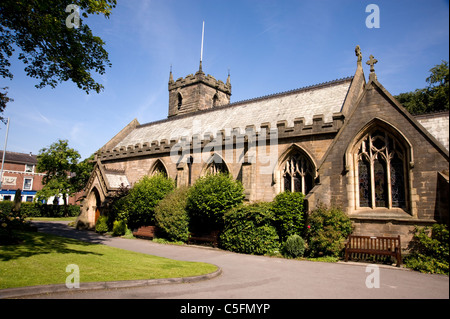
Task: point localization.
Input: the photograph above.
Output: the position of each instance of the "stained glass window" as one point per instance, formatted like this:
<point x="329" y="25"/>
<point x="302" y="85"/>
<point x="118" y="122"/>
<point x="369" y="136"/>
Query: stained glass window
<point x="287" y="182"/>
<point x="381" y="171"/>
<point x="397" y="182"/>
<point x="298" y="174"/>
<point x="380" y="183"/>
<point x="365" y="197"/>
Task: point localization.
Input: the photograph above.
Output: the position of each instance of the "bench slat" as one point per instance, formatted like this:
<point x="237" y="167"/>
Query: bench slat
<point x="370" y="245"/>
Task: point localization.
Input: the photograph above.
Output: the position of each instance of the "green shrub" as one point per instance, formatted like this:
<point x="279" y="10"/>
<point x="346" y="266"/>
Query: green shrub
<point x="249" y="229"/>
<point x="294" y="246"/>
<point x="118" y="210"/>
<point x="329" y="229"/>
<point x="10" y="222"/>
<point x="289" y="214"/>
<point x="171" y="216"/>
<point x="140" y="203"/>
<point x="40" y="210"/>
<point x="119" y="227"/>
<point x="101" y="226"/>
<point x="429" y="252"/>
<point x="210" y="197"/>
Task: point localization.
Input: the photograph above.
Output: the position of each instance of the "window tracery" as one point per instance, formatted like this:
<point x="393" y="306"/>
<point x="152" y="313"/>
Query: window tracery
<point x="381" y="171"/>
<point x="298" y="174"/>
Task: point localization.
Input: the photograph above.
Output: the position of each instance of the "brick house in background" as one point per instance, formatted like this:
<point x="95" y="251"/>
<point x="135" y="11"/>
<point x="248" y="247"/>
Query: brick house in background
<point x="19" y="172"/>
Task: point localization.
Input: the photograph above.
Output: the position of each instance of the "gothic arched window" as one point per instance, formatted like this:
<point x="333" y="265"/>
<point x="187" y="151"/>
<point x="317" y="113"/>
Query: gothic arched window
<point x="158" y="168"/>
<point x="297" y="174"/>
<point x="381" y="171"/>
<point x="216" y="165"/>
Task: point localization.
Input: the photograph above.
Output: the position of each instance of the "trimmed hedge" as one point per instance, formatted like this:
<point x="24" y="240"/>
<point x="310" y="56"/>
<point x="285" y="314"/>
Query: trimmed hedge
<point x="139" y="205"/>
<point x="249" y="229"/>
<point x="40" y="210"/>
<point x="210" y="197"/>
<point x="171" y="216"/>
<point x="289" y="214"/>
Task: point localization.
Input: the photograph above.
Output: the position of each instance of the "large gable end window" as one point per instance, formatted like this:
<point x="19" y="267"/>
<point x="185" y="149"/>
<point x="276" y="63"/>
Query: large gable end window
<point x="380" y="169"/>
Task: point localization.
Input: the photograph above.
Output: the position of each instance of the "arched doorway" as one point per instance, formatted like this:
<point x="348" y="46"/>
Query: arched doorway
<point x="94" y="206"/>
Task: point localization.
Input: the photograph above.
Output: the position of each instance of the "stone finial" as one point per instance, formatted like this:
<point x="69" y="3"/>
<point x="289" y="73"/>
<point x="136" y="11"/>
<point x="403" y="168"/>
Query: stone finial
<point x="228" y="79"/>
<point x="372" y="62"/>
<point x="171" y="76"/>
<point x="359" y="55"/>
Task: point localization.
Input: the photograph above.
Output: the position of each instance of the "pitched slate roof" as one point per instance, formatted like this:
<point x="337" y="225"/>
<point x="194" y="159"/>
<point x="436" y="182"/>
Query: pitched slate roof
<point x="20" y="158"/>
<point x="322" y="99"/>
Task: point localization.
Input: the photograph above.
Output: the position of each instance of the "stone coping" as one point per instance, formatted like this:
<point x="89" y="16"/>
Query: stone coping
<point x="61" y="288"/>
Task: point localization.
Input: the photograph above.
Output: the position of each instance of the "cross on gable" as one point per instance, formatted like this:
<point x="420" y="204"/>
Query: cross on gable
<point x="372" y="62"/>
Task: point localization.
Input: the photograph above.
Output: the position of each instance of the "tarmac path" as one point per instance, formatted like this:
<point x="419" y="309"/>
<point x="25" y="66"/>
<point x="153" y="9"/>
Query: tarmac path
<point x="254" y="277"/>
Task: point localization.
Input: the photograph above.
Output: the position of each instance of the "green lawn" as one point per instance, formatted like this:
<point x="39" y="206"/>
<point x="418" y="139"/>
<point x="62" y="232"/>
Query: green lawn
<point x="42" y="259"/>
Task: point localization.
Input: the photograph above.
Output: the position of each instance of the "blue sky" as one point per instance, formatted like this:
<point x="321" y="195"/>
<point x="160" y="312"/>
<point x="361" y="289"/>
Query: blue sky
<point x="269" y="46"/>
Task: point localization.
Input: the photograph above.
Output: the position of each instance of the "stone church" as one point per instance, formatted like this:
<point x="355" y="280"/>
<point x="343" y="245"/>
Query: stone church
<point x="346" y="142"/>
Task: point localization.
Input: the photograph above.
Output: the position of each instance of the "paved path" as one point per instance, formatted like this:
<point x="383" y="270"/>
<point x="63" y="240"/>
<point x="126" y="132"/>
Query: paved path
<point x="253" y="277"/>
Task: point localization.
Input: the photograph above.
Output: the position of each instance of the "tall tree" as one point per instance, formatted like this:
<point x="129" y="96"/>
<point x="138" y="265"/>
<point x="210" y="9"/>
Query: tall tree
<point x="433" y="98"/>
<point x="58" y="162"/>
<point x="54" y="43"/>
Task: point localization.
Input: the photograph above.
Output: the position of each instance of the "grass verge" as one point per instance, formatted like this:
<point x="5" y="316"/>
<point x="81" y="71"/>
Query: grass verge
<point x="41" y="259"/>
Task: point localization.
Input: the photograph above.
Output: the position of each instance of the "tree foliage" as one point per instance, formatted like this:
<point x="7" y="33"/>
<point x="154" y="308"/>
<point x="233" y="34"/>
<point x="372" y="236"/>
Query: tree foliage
<point x="51" y="51"/>
<point x="64" y="176"/>
<point x="433" y="98"/>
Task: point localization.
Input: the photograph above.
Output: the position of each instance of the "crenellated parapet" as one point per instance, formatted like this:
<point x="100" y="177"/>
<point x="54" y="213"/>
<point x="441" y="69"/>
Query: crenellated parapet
<point x="197" y="92"/>
<point x="198" y="77"/>
<point x="227" y="137"/>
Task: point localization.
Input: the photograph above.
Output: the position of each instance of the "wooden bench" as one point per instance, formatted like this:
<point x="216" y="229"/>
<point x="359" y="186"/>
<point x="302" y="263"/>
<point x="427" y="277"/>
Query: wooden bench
<point x="370" y="245"/>
<point x="145" y="232"/>
<point x="212" y="237"/>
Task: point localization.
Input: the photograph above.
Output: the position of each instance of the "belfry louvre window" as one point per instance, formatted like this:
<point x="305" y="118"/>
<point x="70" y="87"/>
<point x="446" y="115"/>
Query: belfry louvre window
<point x="215" y="100"/>
<point x="180" y="100"/>
<point x="381" y="171"/>
<point x="297" y="174"/>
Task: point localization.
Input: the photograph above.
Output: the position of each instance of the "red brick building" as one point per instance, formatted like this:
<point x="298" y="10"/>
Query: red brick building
<point x="19" y="172"/>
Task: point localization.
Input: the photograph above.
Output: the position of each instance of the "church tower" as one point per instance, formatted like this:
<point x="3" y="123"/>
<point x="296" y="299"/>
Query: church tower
<point x="197" y="92"/>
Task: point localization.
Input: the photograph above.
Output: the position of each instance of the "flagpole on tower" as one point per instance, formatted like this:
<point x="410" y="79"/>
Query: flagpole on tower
<point x="201" y="51"/>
